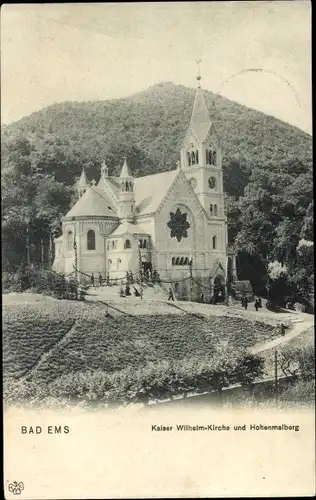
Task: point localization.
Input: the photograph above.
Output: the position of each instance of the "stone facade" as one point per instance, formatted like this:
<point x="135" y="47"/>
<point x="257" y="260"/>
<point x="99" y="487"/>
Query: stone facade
<point x="165" y="220"/>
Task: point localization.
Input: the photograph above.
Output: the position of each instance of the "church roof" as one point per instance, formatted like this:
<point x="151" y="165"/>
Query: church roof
<point x="83" y="181"/>
<point x="200" y="119"/>
<point x="151" y="189"/>
<point x="126" y="171"/>
<point x="93" y="202"/>
<point x="127" y="227"/>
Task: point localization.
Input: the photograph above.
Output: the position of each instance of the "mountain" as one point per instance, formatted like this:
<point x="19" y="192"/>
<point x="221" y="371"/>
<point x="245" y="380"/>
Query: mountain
<point x="268" y="176"/>
<point x="149" y="128"/>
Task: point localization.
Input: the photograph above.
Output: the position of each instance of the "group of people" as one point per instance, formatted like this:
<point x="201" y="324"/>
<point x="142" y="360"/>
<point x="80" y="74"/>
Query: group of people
<point x="245" y="302"/>
<point x="127" y="291"/>
<point x="93" y="280"/>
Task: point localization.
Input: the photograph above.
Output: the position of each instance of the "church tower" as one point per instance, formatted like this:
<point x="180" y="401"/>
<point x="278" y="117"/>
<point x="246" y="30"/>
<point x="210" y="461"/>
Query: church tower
<point x="126" y="194"/>
<point x="83" y="184"/>
<point x="201" y="158"/>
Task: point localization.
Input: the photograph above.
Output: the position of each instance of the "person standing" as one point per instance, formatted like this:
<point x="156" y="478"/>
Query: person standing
<point x="92" y="279"/>
<point x="245" y="303"/>
<point x="100" y="279"/>
<point x="257" y="304"/>
<point x="170" y="296"/>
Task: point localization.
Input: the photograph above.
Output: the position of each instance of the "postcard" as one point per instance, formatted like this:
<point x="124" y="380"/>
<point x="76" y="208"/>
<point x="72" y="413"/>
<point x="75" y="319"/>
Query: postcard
<point x="157" y="250"/>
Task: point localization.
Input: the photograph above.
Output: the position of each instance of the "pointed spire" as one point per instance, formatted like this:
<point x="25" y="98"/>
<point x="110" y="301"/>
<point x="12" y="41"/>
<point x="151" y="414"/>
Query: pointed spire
<point x="200" y="119"/>
<point x="126" y="172"/>
<point x="83" y="181"/>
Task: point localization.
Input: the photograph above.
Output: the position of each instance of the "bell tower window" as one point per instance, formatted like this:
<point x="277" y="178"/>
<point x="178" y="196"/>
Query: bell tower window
<point x="214" y="242"/>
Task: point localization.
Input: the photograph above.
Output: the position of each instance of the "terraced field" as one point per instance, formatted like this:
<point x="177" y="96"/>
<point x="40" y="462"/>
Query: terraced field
<point x="44" y="340"/>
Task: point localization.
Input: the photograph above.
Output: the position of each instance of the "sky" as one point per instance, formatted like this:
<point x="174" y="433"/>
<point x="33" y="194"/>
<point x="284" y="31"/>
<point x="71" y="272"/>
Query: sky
<point x="256" y="53"/>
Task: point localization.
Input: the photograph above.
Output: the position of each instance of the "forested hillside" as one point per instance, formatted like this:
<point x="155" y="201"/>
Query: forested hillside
<point x="267" y="169"/>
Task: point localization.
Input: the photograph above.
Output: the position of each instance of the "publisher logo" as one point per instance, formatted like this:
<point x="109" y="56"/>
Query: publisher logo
<point x="16" y="487"/>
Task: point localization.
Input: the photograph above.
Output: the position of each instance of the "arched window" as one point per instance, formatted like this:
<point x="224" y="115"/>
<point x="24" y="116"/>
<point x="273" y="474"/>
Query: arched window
<point x="127" y="244"/>
<point x="197" y="157"/>
<point x="126" y="186"/>
<point x="215" y="210"/>
<point x="211" y="209"/>
<point x="214" y="158"/>
<point x="181" y="261"/>
<point x="186" y="261"/>
<point x="109" y="263"/>
<point x="210" y="157"/>
<point x="113" y="244"/>
<point x="214" y="242"/>
<point x="189" y="158"/>
<point x="145" y="244"/>
<point x="69" y="241"/>
<point x="90" y="240"/>
<point x="177" y="261"/>
<point x="193" y="158"/>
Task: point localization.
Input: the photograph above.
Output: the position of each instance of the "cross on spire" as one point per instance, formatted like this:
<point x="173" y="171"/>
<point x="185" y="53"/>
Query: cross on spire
<point x="198" y="62"/>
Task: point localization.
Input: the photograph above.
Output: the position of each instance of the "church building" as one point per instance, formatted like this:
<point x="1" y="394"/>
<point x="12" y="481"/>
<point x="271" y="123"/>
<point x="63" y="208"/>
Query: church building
<point x="172" y="222"/>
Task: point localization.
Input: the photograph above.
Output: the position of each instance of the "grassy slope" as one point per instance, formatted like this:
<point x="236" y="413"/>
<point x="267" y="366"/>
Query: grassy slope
<point x="97" y="342"/>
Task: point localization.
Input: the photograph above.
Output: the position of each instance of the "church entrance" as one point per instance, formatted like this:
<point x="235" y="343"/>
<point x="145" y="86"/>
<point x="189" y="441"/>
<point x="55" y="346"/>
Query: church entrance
<point x="219" y="289"/>
<point x="147" y="267"/>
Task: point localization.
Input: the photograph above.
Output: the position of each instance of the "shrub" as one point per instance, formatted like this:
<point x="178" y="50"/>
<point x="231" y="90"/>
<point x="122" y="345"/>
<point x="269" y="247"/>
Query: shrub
<point x="40" y="280"/>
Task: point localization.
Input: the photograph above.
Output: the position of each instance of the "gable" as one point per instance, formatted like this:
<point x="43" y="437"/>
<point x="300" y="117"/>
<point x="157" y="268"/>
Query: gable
<point x="217" y="268"/>
<point x="181" y="192"/>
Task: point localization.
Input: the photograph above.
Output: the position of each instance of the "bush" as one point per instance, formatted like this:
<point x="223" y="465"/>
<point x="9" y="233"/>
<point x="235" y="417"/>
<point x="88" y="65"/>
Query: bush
<point x="156" y="381"/>
<point x="40" y="280"/>
<point x="301" y="392"/>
